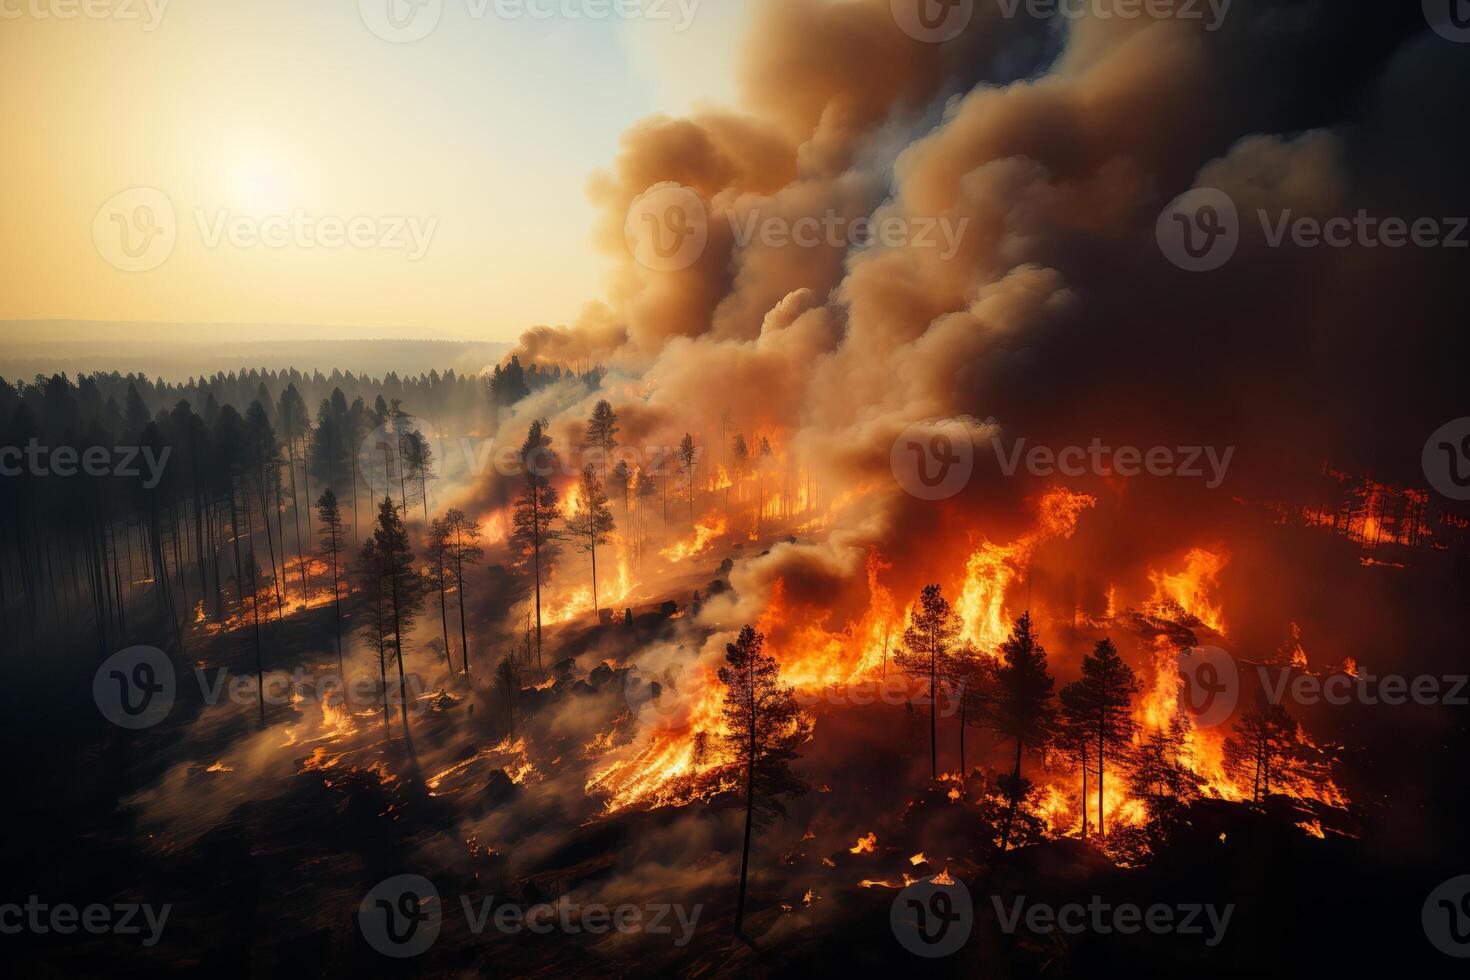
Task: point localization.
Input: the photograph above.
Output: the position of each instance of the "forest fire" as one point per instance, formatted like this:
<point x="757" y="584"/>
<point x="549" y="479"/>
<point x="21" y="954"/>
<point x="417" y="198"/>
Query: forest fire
<point x="921" y="506"/>
<point x="1189" y="590"/>
<point x="992" y="569"/>
<point x="705" y="533"/>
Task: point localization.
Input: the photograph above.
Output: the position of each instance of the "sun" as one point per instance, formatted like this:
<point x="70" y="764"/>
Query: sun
<point x="259" y="181"/>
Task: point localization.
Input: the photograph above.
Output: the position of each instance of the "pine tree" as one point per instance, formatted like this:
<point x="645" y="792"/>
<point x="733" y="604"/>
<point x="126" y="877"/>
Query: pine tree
<point x="970" y="677"/>
<point x="763" y="726"/>
<point x="1023" y="708"/>
<point x="602" y="432"/>
<point x="1100" y="705"/>
<point x="619" y="485"/>
<point x="464" y="549"/>
<point x="333" y="541"/>
<point x="1263" y="746"/>
<point x="418" y="465"/>
<point x="932" y="630"/>
<point x="1162" y="774"/>
<point x="373" y="596"/>
<point x="533" y="539"/>
<point x="508" y="680"/>
<point x="436" y="553"/>
<point x="295" y="425"/>
<point x="404" y="587"/>
<point x="687" y="456"/>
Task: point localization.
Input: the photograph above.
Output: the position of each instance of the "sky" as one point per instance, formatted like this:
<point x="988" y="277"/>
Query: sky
<point x="306" y="162"/>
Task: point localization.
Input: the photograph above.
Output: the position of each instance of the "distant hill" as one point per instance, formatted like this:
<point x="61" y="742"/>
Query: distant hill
<point x="181" y="359"/>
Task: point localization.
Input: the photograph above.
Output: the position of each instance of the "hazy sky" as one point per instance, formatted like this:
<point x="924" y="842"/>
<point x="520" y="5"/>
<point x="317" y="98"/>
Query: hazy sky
<point x="251" y="133"/>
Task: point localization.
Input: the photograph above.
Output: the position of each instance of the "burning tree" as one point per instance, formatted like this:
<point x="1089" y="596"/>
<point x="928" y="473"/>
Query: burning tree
<point x="1096" y="717"/>
<point x="591" y="523"/>
<point x="332" y="539"/>
<point x="762" y="728"/>
<point x="533" y="536"/>
<point x="933" y="627"/>
<point x="1264" y="746"/>
<point x="1023" y="708"/>
<point x="1163" y="775"/>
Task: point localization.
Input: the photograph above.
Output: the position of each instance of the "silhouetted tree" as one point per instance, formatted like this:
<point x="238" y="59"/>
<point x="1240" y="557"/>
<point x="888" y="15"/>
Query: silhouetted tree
<point x="602" y="432"/>
<point x="1263" y="746"/>
<point x="295" y="426"/>
<point x="436" y="552"/>
<point x="1023" y="708"/>
<point x="404" y="586"/>
<point x="508" y="681"/>
<point x="418" y="465"/>
<point x="376" y="626"/>
<point x="1100" y="705"/>
<point x="533" y="538"/>
<point x="932" y="630"/>
<point x="1163" y="775"/>
<point x="970" y="677"/>
<point x="618" y="486"/>
<point x="687" y="456"/>
<point x="463" y="548"/>
<point x="763" y="726"/>
<point x="332" y="540"/>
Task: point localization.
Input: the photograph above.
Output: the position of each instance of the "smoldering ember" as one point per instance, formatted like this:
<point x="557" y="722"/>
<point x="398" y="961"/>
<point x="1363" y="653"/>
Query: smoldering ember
<point x="748" y="488"/>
